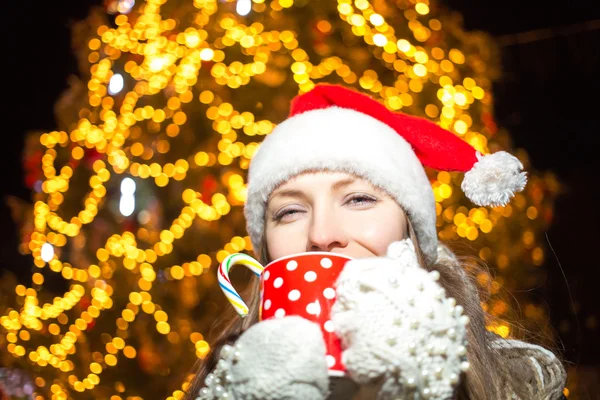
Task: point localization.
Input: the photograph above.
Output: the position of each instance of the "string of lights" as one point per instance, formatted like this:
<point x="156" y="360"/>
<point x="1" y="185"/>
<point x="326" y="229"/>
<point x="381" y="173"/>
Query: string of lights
<point x="178" y="96"/>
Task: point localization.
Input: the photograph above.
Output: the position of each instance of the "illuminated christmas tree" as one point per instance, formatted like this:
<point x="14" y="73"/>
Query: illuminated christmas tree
<point x="140" y="190"/>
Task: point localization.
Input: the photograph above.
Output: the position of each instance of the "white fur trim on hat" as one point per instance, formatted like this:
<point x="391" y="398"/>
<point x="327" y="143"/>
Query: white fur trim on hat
<point x="342" y="140"/>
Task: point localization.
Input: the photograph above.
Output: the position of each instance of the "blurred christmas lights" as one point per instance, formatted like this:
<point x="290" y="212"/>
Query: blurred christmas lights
<point x="115" y="84"/>
<point x="243" y="7"/>
<point x="234" y="75"/>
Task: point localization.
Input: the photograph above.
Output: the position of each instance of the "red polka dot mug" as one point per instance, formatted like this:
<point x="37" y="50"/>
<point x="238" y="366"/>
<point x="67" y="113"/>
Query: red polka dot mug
<point x="300" y="284"/>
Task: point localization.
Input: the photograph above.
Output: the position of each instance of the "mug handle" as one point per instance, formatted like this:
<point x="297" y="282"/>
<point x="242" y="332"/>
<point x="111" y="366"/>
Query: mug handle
<point x="225" y="283"/>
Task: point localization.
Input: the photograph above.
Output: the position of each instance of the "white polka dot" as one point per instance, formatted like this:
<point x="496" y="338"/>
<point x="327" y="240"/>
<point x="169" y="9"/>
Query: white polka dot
<point x="267" y="304"/>
<point x="310" y="276"/>
<point x="280" y="313"/>
<point x="330" y="360"/>
<point x="294" y="295"/>
<point x="329" y="293"/>
<point x="266" y="275"/>
<point x="326" y="263"/>
<point x="291" y="265"/>
<point x="328" y="326"/>
<point x="314" y="308"/>
<point x="278" y="282"/>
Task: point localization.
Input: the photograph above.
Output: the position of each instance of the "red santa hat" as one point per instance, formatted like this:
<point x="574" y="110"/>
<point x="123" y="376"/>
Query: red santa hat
<point x="332" y="128"/>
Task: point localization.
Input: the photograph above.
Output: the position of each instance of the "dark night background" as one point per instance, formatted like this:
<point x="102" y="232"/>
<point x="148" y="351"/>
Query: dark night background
<point x="547" y="98"/>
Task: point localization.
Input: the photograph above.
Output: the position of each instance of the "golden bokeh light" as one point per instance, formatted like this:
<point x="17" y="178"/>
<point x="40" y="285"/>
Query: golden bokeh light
<point x="200" y="94"/>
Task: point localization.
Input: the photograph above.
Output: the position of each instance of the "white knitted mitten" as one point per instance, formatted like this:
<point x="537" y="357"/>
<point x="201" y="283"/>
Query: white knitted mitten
<point x="277" y="359"/>
<point x="398" y="327"/>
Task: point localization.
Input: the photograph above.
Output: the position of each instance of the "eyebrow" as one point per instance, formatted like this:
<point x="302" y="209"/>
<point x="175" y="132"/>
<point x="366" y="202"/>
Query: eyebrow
<point x="288" y="193"/>
<point x="343" y="183"/>
<point x="299" y="193"/>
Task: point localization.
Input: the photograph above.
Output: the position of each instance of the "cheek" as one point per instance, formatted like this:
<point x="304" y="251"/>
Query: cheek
<point x="285" y="240"/>
<point x="379" y="229"/>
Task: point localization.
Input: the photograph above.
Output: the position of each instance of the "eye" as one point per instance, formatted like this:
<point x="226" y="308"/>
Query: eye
<point x="361" y="200"/>
<point x="286" y="214"/>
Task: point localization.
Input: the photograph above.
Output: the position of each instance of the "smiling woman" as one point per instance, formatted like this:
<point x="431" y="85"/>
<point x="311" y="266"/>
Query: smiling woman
<point x="344" y="175"/>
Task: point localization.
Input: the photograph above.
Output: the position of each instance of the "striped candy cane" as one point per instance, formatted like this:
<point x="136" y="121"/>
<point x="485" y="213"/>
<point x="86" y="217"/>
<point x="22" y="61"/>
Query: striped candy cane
<point x="225" y="283"/>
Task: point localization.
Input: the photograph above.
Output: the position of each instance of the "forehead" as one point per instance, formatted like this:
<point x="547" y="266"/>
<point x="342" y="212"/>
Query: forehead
<point x="311" y="178"/>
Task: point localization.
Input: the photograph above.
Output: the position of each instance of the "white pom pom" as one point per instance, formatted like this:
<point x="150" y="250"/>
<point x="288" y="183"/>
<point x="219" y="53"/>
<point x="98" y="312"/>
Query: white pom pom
<point x="494" y="179"/>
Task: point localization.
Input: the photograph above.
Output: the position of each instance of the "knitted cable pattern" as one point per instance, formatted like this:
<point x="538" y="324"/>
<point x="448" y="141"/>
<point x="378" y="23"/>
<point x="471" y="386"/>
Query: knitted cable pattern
<point x="397" y="325"/>
<point x="279" y="359"/>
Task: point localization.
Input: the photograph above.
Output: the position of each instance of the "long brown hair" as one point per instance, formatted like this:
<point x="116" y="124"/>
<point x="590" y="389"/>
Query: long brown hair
<point x="492" y="375"/>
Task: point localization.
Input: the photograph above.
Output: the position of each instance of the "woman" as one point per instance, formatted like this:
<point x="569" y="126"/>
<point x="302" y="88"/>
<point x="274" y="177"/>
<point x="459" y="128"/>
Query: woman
<point x="344" y="174"/>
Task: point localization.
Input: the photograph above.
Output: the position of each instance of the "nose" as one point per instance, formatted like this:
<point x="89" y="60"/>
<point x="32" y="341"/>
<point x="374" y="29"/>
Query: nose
<point x="326" y="232"/>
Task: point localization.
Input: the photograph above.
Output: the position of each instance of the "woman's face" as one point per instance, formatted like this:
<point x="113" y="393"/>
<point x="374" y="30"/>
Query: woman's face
<point x="333" y="212"/>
